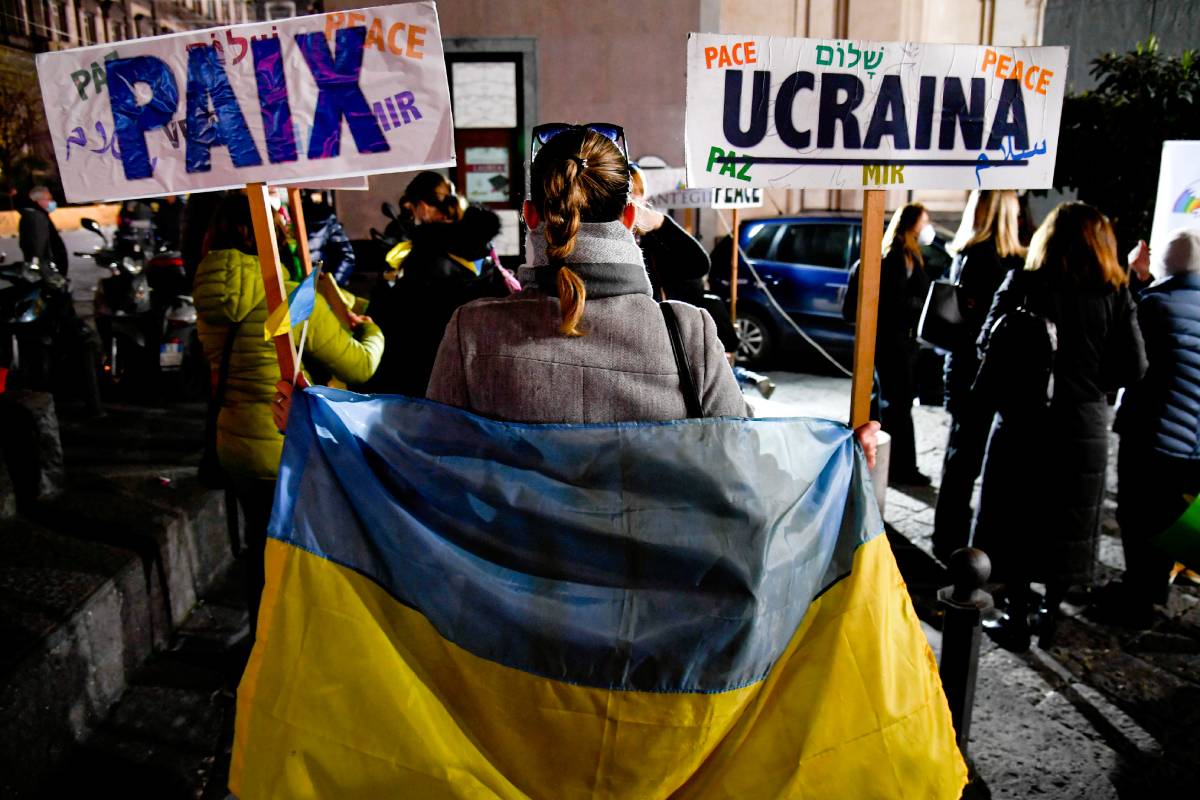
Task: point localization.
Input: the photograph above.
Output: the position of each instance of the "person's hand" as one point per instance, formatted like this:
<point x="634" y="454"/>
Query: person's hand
<point x="281" y="405"/>
<point x="1139" y="260"/>
<point x="866" y="436"/>
<point x="358" y="319"/>
<point x="646" y="219"/>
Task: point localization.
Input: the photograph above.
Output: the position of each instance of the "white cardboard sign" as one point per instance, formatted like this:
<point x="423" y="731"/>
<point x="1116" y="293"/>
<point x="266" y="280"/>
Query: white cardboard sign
<point x="1178" y="201"/>
<point x="294" y="100"/>
<point x="837" y="114"/>
<point x="738" y="197"/>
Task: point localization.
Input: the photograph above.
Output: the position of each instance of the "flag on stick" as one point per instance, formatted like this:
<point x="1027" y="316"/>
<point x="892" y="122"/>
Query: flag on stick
<point x="295" y="309"/>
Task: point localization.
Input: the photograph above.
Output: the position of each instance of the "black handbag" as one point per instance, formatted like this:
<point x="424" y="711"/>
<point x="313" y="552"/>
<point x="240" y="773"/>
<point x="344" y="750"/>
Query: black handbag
<point x="211" y="474"/>
<point x="943" y="323"/>
<point x="691" y="397"/>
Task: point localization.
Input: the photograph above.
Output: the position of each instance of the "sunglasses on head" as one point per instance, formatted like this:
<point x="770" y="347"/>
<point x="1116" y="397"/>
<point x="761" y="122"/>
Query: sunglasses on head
<point x="542" y="135"/>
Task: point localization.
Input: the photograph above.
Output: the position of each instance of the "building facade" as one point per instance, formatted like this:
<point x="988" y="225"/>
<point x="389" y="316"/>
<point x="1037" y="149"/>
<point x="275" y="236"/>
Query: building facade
<point x="28" y="27"/>
<point x="515" y="63"/>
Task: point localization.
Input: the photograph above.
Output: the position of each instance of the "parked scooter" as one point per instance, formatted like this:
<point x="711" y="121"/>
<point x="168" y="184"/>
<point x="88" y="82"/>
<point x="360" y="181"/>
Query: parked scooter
<point x="146" y="317"/>
<point x="44" y="346"/>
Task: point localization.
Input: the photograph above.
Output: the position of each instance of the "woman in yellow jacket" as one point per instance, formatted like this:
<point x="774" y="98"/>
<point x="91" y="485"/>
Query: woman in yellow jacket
<point x="231" y="301"/>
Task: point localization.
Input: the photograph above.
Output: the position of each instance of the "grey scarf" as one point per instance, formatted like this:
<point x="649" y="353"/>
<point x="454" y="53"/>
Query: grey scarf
<point x="605" y="256"/>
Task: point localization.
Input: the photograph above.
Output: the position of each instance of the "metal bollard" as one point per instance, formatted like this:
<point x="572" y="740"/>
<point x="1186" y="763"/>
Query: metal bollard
<point x="963" y="603"/>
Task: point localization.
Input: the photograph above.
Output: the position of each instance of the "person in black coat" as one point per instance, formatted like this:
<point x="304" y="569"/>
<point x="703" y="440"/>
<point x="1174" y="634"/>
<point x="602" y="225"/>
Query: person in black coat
<point x="1158" y="464"/>
<point x="676" y="263"/>
<point x="447" y="267"/>
<point x="168" y="222"/>
<point x="903" y="285"/>
<point x="1044" y="470"/>
<point x="992" y="248"/>
<point x="36" y="233"/>
<point x="327" y="241"/>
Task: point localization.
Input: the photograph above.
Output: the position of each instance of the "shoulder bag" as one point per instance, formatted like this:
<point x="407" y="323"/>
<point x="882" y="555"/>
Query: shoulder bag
<point x="691" y="397"/>
<point x="1017" y="372"/>
<point x="211" y="473"/>
<point x="943" y="323"/>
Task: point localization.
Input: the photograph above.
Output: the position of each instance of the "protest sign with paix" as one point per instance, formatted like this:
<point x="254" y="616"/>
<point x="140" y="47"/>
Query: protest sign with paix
<point x="322" y="96"/>
<point x="838" y="114"/>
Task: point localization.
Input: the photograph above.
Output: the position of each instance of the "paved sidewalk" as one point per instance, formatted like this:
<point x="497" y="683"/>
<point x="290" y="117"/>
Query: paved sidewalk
<point x="1106" y="712"/>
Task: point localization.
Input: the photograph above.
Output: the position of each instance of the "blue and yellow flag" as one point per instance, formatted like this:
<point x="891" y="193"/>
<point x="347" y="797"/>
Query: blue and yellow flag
<point x="295" y="309"/>
<point x="460" y="607"/>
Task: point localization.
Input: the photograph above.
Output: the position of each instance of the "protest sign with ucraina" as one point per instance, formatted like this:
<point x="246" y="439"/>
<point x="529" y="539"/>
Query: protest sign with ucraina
<point x="838" y="114"/>
<point x="771" y="112"/>
<point x="300" y="99"/>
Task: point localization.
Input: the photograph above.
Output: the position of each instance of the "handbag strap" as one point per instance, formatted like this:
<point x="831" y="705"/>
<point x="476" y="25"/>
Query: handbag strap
<point x="691" y="397"/>
<point x="218" y="398"/>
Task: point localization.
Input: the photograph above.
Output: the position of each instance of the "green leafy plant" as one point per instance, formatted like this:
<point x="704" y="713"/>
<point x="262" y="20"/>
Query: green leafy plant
<point x="1110" y="144"/>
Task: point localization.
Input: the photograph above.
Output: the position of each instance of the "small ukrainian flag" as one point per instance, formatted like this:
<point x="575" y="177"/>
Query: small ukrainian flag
<point x="295" y="309"/>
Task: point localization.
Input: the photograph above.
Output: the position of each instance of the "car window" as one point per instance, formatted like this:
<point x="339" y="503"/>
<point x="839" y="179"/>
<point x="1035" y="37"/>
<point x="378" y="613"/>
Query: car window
<point x="819" y="244"/>
<point x="760" y="240"/>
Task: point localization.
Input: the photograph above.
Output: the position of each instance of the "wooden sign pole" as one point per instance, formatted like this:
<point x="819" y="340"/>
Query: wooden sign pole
<point x="327" y="287"/>
<point x="295" y="203"/>
<point x="272" y="273"/>
<point x="733" y="271"/>
<point x="866" y="317"/>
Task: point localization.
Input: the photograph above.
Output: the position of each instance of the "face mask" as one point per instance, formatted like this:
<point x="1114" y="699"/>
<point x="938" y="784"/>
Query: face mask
<point x="51" y="206"/>
<point x="926" y="236"/>
<point x="528" y="245"/>
<point x="276" y="202"/>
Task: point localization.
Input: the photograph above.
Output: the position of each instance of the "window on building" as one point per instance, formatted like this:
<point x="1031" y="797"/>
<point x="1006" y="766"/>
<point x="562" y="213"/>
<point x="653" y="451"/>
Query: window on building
<point x="45" y="20"/>
<point x="89" y="29"/>
<point x="14" y="17"/>
<point x="118" y="31"/>
<point x="60" y="21"/>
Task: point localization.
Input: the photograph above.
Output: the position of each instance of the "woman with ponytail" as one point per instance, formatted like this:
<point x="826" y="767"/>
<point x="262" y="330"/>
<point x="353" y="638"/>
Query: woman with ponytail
<point x="585" y="342"/>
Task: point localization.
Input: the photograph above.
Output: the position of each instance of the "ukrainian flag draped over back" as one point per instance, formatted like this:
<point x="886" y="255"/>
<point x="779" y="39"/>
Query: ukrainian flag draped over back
<point x="459" y="607"/>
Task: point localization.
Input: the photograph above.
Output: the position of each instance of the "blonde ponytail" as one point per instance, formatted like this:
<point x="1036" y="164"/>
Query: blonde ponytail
<point x="571" y="297"/>
<point x="576" y="178"/>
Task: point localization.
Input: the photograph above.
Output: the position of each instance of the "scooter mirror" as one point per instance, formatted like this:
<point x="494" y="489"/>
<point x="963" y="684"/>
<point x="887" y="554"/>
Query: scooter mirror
<point x="388" y="211"/>
<point x="90" y="224"/>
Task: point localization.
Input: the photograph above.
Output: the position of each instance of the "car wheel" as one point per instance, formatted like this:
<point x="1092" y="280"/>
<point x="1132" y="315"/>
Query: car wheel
<point x="755" y="339"/>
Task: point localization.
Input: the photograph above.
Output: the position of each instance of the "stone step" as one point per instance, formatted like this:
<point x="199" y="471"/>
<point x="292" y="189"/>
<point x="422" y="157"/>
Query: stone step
<point x="91" y="583"/>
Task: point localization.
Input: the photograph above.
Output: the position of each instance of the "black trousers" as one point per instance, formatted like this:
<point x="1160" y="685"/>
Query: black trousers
<point x="894" y="369"/>
<point x="255" y="498"/>
<point x="969" y="428"/>
<point x="1150" y="490"/>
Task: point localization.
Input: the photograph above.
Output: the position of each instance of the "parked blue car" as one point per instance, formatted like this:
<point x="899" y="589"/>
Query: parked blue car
<point x="804" y="262"/>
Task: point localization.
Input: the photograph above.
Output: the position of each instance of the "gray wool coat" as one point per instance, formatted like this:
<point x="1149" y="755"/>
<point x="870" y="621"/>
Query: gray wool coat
<point x="505" y="359"/>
